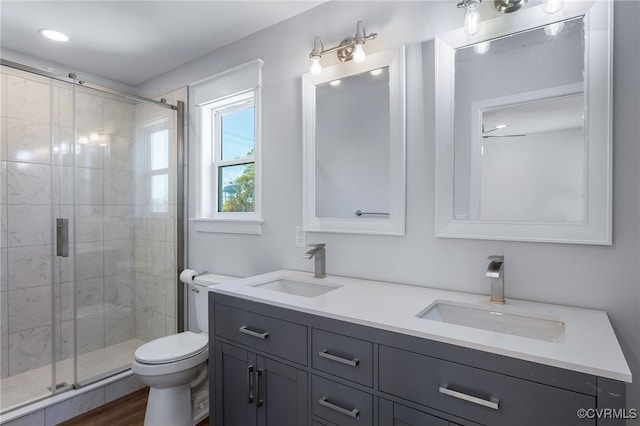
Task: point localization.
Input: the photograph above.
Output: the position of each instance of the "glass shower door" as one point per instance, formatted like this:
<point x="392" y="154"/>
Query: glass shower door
<point x="87" y="233"/>
<point x="28" y="291"/>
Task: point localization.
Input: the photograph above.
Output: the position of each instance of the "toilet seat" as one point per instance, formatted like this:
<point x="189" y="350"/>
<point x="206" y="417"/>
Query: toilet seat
<point x="173" y="348"/>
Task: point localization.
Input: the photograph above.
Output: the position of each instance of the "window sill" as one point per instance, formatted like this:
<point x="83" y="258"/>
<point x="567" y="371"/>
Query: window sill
<point x="228" y="226"/>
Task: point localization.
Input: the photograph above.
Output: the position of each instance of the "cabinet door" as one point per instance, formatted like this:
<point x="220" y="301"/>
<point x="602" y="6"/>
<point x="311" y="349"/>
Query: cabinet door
<point x="234" y="375"/>
<point x="398" y="415"/>
<point x="283" y="392"/>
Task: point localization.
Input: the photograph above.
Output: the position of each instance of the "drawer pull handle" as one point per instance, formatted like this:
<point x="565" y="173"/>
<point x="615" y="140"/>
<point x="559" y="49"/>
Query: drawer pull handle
<point x="350" y="362"/>
<point x="355" y="413"/>
<point x="492" y="403"/>
<point x="246" y="330"/>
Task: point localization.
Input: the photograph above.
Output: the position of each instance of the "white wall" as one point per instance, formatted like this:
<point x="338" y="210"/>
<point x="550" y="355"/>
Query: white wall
<point x="597" y="277"/>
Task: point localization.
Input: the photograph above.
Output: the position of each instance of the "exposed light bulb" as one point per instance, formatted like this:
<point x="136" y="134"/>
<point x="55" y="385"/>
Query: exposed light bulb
<point x="472" y="18"/>
<point x="552" y="6"/>
<point x="358" y="54"/>
<point x="482" y="48"/>
<point x="554" y="29"/>
<point x="316" y="68"/>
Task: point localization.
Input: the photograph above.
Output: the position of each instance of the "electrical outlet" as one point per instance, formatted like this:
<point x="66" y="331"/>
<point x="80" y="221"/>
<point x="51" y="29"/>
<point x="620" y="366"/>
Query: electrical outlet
<point x="301" y="237"/>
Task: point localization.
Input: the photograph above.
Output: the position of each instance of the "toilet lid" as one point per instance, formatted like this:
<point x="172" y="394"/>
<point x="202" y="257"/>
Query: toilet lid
<point x="172" y="348"/>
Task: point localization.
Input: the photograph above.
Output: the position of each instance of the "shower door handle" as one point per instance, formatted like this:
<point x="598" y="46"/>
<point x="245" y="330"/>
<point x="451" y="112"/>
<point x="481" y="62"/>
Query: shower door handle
<point x="62" y="237"/>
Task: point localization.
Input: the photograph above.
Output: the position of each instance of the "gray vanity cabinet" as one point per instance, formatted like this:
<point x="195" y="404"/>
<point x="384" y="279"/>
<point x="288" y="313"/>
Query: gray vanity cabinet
<point x="251" y="389"/>
<point x="483" y="396"/>
<point x="279" y="367"/>
<point x="254" y="390"/>
<point x="398" y="415"/>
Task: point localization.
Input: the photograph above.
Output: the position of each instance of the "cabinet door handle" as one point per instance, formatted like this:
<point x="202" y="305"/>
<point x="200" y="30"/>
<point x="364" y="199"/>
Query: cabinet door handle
<point x="249" y="384"/>
<point x="491" y="403"/>
<point x="354" y="413"/>
<point x="350" y="362"/>
<point x="258" y="373"/>
<point x="246" y="330"/>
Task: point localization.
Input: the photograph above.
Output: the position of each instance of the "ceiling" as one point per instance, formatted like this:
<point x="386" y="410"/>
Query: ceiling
<point x="131" y="42"/>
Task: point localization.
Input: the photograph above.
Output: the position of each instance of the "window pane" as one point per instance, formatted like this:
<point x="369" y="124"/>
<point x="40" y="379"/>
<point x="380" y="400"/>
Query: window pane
<point x="159" y="193"/>
<point x="237" y="134"/>
<point x="159" y="147"/>
<point x="236" y="188"/>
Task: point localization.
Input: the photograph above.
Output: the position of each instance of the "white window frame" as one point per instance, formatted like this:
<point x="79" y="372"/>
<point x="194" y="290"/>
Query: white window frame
<point x="212" y="95"/>
<point x="212" y="119"/>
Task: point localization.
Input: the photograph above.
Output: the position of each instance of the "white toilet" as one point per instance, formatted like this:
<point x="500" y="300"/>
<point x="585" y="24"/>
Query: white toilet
<point x="175" y="366"/>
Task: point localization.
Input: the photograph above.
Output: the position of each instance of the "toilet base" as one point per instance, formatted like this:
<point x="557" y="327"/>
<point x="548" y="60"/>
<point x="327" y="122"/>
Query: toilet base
<point x="169" y="406"/>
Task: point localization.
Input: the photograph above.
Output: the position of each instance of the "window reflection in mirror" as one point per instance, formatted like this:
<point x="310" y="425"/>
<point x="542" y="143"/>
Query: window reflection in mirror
<point x="520" y="151"/>
<point x="352" y="146"/>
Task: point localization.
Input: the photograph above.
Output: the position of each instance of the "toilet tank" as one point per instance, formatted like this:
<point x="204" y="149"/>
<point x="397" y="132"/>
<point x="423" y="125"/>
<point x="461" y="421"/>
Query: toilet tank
<point x="201" y="299"/>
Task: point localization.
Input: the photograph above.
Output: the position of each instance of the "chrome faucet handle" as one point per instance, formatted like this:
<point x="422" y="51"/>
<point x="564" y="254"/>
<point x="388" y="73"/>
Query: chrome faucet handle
<point x="495" y="258"/>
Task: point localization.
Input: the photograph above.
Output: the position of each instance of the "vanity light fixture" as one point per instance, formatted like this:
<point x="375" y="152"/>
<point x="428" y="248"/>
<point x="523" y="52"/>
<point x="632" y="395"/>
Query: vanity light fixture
<point x="348" y="49"/>
<point x="472" y="16"/>
<point x="552" y="6"/>
<point x="508" y="6"/>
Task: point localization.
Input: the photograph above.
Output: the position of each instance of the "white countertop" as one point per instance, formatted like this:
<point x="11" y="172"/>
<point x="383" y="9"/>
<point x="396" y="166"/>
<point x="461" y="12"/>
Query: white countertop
<point x="589" y="344"/>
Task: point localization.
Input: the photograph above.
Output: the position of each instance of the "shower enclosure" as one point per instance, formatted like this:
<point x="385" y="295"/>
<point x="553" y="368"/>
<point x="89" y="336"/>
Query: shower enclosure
<point x="88" y="231"/>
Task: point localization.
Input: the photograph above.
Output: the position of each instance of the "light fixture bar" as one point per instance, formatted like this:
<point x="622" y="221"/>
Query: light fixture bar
<point x="349" y="48"/>
<point x="508" y="6"/>
<point x="342" y="46"/>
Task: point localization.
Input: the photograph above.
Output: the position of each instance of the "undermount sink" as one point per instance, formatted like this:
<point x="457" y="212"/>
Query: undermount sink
<point x="298" y="288"/>
<point x="495" y="319"/>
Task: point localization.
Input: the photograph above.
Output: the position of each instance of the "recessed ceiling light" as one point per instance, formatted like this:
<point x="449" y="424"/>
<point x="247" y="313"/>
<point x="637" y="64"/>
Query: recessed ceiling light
<point x="53" y="35"/>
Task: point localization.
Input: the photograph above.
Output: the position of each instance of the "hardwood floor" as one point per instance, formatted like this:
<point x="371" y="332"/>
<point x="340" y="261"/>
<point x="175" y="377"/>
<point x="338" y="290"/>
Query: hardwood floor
<point x="126" y="411"/>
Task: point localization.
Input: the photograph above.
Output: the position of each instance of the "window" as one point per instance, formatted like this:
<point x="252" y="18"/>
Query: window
<point x="231" y="123"/>
<point x="158" y="143"/>
<point x="227" y="110"/>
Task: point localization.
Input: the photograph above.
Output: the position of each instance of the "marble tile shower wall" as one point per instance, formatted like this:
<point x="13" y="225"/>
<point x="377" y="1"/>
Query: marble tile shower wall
<point x="31" y="191"/>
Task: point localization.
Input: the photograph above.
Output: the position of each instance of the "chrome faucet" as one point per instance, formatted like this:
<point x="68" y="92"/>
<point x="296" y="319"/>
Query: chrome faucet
<point x="495" y="271"/>
<point x="317" y="252"/>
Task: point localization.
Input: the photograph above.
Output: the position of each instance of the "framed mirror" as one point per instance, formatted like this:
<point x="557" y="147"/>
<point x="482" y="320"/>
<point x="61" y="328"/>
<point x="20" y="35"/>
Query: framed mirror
<point x="523" y="127"/>
<point x="354" y="146"/>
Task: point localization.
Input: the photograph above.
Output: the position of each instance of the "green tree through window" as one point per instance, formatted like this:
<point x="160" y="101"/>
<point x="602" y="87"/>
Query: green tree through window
<point x="240" y="193"/>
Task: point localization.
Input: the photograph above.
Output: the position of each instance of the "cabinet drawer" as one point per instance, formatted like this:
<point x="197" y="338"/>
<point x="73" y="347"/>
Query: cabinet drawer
<point x="478" y="395"/>
<point x="340" y="404"/>
<point x="343" y="356"/>
<point x="281" y="338"/>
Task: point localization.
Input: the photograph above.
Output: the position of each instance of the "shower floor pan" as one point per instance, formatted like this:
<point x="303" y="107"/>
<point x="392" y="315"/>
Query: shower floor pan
<point x="22" y="388"/>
